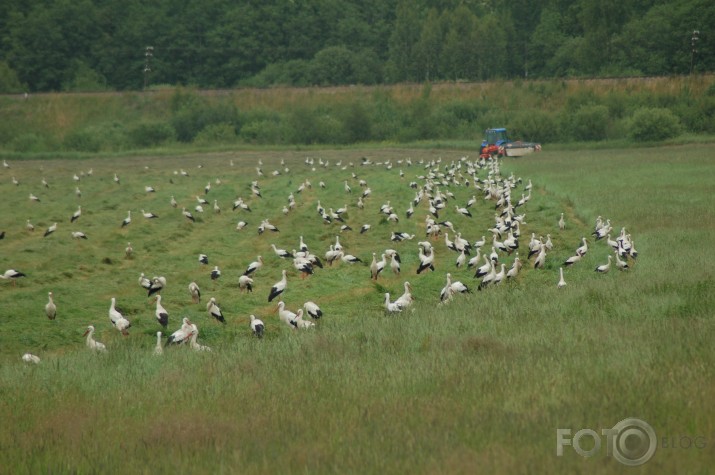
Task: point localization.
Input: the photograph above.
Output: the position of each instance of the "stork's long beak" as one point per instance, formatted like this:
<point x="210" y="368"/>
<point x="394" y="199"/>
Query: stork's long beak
<point x="85" y="333"/>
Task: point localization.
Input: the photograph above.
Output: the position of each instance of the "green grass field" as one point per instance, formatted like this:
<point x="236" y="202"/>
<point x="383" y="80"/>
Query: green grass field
<point x="478" y="385"/>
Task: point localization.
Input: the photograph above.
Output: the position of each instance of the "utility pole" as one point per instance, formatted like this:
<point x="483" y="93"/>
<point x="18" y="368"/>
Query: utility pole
<point x="148" y="54"/>
<point x="693" y="48"/>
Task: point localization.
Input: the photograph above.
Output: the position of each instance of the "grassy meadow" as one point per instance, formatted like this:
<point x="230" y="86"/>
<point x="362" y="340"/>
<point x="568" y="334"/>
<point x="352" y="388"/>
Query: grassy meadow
<point x="478" y="385"/>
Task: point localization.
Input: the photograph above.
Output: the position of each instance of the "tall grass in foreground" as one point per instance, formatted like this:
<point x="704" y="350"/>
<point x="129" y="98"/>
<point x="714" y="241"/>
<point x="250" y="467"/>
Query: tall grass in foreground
<point x="479" y="384"/>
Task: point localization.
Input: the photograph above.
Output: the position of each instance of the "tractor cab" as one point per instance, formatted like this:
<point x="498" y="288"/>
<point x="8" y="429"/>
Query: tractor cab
<point x="494" y="140"/>
<point x="495" y="137"/>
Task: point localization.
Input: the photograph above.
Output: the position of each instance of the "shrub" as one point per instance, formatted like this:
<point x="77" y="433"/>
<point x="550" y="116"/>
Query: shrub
<point x="9" y="82"/>
<point x="194" y="116"/>
<point x="356" y="123"/>
<point x="262" y="132"/>
<point x="28" y="143"/>
<point x="534" y="126"/>
<point x="83" y="140"/>
<point x="311" y="126"/>
<point x="590" y="123"/>
<point x="148" y="134"/>
<point x="104" y="136"/>
<point x="216" y="133"/>
<point x="651" y="124"/>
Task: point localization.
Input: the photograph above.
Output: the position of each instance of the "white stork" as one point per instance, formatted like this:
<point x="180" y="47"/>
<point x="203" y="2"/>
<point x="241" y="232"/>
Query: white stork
<point x="79" y="235"/>
<point x="92" y="344"/>
<point x="349" y="258"/>
<point x="30" y="358"/>
<point x="426" y="261"/>
<point x="287" y="316"/>
<point x="50" y="230"/>
<point x="562" y="282"/>
<point x="50" y="308"/>
<point x="501" y="275"/>
<point x="158" y="350"/>
<point x="127" y="220"/>
<point x="452" y="288"/>
<point x="604" y="267"/>
<point x="257" y="326"/>
<point x="279" y="287"/>
<point x="572" y="260"/>
<point x="266" y="225"/>
<point x="214" y="310"/>
<point x="12" y="274"/>
<point x="144" y="281"/>
<point x="253" y="266"/>
<point x="581" y="250"/>
<point x="157" y="284"/>
<point x="282" y="253"/>
<point x="514" y="269"/>
<point x="391" y="307"/>
<point x="195" y="292"/>
<point x="300" y="323"/>
<point x="162" y="316"/>
<point x="29" y="226"/>
<point x="181" y="335"/>
<point x="117" y="319"/>
<point x="76" y="214"/>
<point x="128" y="250"/>
<point x="620" y="265"/>
<point x="312" y="309"/>
<point x="395" y="263"/>
<point x="215" y="273"/>
<point x="192" y="340"/>
<point x="188" y="215"/>
<point x="489" y="276"/>
<point x="149" y="215"/>
<point x="405" y="300"/>
<point x="463" y="211"/>
<point x="245" y="283"/>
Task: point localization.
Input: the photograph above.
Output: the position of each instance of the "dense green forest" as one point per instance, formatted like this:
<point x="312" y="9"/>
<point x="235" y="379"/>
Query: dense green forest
<point x="95" y="45"/>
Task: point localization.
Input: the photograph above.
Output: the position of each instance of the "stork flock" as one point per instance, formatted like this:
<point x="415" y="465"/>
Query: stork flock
<point x="447" y="219"/>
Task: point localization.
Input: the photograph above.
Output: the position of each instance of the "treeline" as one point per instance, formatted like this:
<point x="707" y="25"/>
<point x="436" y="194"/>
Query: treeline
<point x="99" y="45"/>
<point x="546" y="111"/>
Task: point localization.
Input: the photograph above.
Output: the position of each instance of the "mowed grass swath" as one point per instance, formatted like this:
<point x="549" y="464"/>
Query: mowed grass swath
<point x="480" y="383"/>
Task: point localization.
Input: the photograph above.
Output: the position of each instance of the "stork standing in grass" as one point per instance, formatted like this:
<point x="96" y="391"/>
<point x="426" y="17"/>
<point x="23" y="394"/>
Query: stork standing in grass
<point x="245" y="283"/>
<point x="30" y="358"/>
<point x="195" y="292"/>
<point x="562" y="282"/>
<point x="181" y="335"/>
<point x="12" y="274"/>
<point x="117" y="319"/>
<point x="93" y="344"/>
<point x="253" y="266"/>
<point x="158" y="349"/>
<point x="257" y="326"/>
<point x="157" y="284"/>
<point x="279" y="287"/>
<point x="286" y="316"/>
<point x="162" y="316"/>
<point x="127" y="221"/>
<point x="50" y="308"/>
<point x="312" y="309"/>
<point x="214" y="310"/>
<point x="50" y="230"/>
<point x="391" y="307"/>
